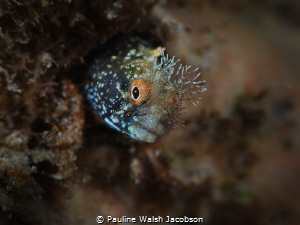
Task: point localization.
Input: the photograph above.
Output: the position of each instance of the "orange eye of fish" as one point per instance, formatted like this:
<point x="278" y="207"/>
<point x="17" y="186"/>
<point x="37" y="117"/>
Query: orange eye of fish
<point x="140" y="91"/>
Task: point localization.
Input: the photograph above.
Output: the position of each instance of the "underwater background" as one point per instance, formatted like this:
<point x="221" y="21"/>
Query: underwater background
<point x="235" y="161"/>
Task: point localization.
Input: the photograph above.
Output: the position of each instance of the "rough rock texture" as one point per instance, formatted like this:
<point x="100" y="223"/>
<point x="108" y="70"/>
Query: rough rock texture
<point x="236" y="161"/>
<point x="41" y="110"/>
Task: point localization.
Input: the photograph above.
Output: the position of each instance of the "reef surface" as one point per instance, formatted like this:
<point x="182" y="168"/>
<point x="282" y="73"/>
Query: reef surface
<point x="236" y="161"/>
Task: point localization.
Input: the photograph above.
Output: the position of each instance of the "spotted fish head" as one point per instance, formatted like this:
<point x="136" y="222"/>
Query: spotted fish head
<point x="143" y="97"/>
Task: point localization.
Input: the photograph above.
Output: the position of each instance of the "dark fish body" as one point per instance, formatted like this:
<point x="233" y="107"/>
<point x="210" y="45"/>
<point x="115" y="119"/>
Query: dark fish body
<point x="135" y="88"/>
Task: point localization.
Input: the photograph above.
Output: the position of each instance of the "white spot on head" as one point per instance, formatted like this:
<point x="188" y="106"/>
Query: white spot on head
<point x="111" y="124"/>
<point x="104" y="107"/>
<point x="114" y="119"/>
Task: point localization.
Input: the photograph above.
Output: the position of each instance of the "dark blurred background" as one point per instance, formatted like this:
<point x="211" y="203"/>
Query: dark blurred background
<point x="236" y="161"/>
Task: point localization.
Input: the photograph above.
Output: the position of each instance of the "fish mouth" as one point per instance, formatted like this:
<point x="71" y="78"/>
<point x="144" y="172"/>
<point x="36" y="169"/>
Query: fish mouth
<point x="142" y="134"/>
<point x="146" y="133"/>
<point x="144" y="127"/>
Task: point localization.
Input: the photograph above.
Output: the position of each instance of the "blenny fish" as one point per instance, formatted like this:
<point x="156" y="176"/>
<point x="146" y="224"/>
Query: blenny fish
<point x="138" y="90"/>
